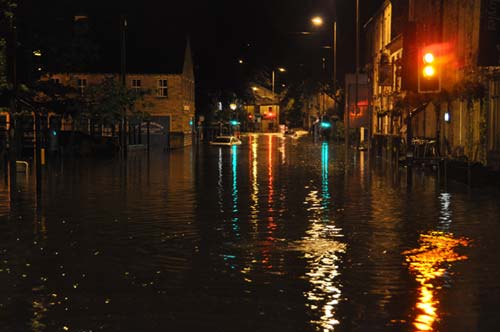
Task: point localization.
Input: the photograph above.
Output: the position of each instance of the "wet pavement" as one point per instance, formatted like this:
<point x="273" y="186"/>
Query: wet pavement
<point x="273" y="235"/>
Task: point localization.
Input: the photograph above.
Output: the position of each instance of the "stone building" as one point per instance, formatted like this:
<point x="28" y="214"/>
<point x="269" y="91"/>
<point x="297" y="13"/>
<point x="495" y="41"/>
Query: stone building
<point x="264" y="112"/>
<point x="169" y="81"/>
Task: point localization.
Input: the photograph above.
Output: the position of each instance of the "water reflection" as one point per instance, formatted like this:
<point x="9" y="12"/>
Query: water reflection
<point x="271" y="224"/>
<point x="445" y="211"/>
<point x="40" y="308"/>
<point x="169" y="247"/>
<point x="322" y="252"/>
<point x="254" y="196"/>
<point x="5" y="200"/>
<point x="430" y="263"/>
<point x="220" y="186"/>
<point x="270" y="196"/>
<point x="234" y="167"/>
<point x="324" y="177"/>
<point x="282" y="149"/>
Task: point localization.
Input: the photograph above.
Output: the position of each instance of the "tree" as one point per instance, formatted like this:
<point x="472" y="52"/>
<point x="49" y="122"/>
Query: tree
<point x="105" y="102"/>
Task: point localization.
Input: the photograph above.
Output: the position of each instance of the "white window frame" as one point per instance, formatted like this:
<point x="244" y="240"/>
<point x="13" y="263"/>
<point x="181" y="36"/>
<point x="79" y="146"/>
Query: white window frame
<point x="162" y="90"/>
<point x="136" y="84"/>
<point x="81" y="84"/>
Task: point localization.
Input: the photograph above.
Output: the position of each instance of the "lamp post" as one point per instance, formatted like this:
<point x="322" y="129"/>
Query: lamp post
<point x="356" y="97"/>
<point x="123" y="26"/>
<point x="273" y="76"/>
<point x="318" y="21"/>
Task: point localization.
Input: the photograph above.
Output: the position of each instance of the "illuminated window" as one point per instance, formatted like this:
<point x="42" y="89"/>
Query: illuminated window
<point x="162" y="88"/>
<point x="81" y="84"/>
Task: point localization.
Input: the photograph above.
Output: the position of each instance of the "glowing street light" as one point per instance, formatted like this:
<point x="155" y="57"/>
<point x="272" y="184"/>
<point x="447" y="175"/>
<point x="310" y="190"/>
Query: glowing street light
<point x="317" y="21"/>
<point x="281" y="70"/>
<point x="233" y="106"/>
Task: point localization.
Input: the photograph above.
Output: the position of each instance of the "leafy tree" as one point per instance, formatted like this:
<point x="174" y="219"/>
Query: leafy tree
<point x="105" y="102"/>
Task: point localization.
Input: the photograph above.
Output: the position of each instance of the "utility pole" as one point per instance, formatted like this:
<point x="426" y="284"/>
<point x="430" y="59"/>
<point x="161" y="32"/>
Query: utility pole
<point x="356" y="97"/>
<point x="123" y="138"/>
<point x="12" y="79"/>
<point x="272" y="83"/>
<point x="335" y="58"/>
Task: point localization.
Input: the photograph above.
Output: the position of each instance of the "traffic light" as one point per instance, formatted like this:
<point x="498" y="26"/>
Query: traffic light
<point x="429" y="73"/>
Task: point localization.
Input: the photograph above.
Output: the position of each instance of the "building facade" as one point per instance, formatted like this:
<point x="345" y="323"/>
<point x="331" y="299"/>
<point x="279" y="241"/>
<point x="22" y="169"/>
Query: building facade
<point x="169" y="96"/>
<point x="264" y="112"/>
<point x="462" y="118"/>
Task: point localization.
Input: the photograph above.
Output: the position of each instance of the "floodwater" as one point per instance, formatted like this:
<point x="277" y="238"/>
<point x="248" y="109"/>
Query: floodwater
<point x="273" y="235"/>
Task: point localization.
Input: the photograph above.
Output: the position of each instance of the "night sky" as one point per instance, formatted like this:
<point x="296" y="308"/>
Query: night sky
<point x="264" y="33"/>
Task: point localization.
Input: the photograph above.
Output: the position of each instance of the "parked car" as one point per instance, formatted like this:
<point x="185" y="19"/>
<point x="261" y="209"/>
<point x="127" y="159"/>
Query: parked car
<point x="226" y="140"/>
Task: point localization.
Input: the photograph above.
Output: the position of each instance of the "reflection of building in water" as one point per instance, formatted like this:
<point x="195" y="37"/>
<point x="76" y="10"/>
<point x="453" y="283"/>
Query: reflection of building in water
<point x="4" y="199"/>
<point x="322" y="250"/>
<point x="430" y="263"/>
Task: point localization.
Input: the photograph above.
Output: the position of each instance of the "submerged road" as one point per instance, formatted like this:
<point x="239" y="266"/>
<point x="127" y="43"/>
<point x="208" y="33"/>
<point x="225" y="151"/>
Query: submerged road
<point x="277" y="234"/>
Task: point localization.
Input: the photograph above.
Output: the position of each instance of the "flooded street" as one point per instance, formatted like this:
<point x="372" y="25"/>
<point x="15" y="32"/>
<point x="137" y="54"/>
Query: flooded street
<point x="277" y="234"/>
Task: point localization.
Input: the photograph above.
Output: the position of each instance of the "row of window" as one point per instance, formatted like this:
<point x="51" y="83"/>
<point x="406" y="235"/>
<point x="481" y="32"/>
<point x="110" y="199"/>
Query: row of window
<point x="136" y="84"/>
<point x="161" y="90"/>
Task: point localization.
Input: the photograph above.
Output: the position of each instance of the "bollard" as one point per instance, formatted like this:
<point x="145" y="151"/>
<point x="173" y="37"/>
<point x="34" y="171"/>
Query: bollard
<point x="42" y="156"/>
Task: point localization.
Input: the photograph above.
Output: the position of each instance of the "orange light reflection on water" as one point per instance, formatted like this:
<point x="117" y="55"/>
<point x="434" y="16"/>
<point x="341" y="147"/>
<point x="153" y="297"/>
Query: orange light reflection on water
<point x="5" y="199"/>
<point x="271" y="225"/>
<point x="429" y="263"/>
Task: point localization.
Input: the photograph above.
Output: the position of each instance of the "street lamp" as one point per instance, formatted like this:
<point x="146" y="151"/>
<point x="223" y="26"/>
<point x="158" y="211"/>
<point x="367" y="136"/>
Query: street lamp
<point x="281" y="70"/>
<point x="318" y="21"/>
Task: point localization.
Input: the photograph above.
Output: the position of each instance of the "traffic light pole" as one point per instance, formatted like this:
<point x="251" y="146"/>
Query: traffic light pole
<point x="356" y="93"/>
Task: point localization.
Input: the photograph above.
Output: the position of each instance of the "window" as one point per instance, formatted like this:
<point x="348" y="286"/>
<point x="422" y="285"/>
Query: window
<point x="162" y="88"/>
<point x="81" y="84"/>
<point x="136" y="85"/>
<point x="55" y="81"/>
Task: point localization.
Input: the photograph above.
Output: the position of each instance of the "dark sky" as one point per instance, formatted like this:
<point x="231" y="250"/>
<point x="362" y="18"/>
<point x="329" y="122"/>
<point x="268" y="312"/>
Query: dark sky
<point x="264" y="33"/>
